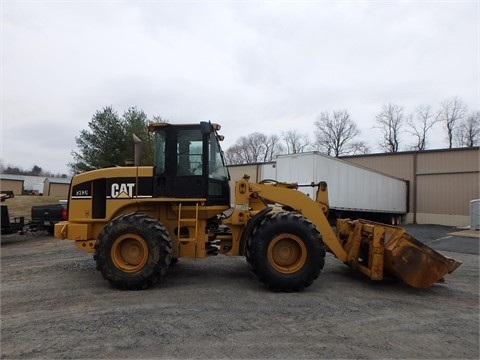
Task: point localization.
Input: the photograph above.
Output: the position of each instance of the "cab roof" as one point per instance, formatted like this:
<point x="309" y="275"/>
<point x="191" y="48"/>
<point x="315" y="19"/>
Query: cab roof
<point x="154" y="126"/>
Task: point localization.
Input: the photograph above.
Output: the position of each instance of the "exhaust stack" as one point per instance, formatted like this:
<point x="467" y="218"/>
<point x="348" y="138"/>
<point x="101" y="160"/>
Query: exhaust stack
<point x="137" y="150"/>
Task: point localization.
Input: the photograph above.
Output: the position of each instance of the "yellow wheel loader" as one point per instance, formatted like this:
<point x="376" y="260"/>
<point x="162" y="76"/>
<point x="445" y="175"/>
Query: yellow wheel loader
<point x="137" y="220"/>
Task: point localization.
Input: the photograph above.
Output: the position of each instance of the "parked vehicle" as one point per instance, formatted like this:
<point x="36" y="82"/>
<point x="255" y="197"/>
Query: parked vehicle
<point x="9" y="226"/>
<point x="358" y="192"/>
<point x="137" y="220"/>
<point x="44" y="217"/>
<point x="8" y="194"/>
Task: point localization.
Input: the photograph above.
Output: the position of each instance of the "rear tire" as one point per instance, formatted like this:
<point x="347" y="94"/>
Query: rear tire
<point x="133" y="251"/>
<point x="286" y="252"/>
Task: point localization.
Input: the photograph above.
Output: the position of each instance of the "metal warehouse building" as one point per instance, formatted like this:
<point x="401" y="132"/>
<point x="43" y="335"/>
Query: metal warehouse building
<point x="56" y="187"/>
<point x="441" y="183"/>
<point x="13" y="183"/>
<point x="21" y="184"/>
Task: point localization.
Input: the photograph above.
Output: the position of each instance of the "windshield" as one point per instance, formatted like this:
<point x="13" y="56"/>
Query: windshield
<point x="216" y="166"/>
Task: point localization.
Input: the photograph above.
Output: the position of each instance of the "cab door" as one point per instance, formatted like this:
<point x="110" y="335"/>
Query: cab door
<point x="180" y="163"/>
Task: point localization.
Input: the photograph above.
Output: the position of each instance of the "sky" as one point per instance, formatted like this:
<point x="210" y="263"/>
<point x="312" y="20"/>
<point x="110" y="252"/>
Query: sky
<point x="251" y="66"/>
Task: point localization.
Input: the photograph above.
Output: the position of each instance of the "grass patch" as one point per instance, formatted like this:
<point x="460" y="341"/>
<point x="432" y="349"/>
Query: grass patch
<point x="21" y="205"/>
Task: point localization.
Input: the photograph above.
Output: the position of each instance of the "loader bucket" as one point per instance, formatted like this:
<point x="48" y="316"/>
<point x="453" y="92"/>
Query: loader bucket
<point x="380" y="250"/>
<point x="413" y="262"/>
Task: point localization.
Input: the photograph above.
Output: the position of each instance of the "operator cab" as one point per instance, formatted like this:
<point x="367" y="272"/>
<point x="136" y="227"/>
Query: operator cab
<point x="189" y="163"/>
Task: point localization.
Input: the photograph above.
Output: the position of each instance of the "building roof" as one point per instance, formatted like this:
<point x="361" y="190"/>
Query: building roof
<point x="52" y="180"/>
<point x="471" y="148"/>
<point x="30" y="180"/>
<point x="12" y="177"/>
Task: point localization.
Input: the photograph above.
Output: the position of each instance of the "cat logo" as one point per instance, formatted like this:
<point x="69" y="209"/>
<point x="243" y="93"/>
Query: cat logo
<point x="122" y="191"/>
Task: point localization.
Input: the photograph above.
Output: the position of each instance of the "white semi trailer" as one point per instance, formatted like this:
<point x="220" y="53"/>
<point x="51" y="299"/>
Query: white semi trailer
<point x="353" y="191"/>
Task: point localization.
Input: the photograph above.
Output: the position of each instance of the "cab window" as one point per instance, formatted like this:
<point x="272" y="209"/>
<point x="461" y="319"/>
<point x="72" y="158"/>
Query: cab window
<point x="189" y="153"/>
<point x="160" y="139"/>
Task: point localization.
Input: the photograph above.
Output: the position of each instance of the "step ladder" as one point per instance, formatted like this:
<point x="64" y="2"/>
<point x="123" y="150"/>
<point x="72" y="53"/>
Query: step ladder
<point x="188" y="222"/>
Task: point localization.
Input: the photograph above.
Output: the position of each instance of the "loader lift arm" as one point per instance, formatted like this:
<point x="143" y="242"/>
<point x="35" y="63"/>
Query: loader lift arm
<point x="374" y="249"/>
<point x="288" y="196"/>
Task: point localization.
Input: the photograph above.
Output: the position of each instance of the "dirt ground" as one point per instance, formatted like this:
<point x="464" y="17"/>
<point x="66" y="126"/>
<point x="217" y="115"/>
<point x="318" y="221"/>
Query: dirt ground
<point x="54" y="304"/>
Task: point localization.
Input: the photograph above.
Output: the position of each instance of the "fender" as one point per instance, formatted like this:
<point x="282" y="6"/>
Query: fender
<point x="251" y="224"/>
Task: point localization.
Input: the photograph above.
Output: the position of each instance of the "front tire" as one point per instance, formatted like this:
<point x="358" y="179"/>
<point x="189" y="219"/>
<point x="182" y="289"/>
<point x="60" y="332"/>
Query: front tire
<point x="286" y="252"/>
<point x="133" y="251"/>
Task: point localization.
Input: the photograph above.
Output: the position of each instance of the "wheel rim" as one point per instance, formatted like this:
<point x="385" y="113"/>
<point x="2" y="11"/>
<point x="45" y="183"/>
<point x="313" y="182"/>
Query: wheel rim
<point x="129" y="252"/>
<point x="287" y="253"/>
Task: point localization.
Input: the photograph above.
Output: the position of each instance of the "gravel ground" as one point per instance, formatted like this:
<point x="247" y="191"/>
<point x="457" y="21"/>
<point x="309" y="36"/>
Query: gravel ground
<point x="54" y="304"/>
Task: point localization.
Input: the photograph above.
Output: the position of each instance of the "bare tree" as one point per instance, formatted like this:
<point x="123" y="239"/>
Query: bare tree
<point x="359" y="148"/>
<point x="468" y="134"/>
<point x="253" y="148"/>
<point x="335" y="134"/>
<point x="390" y="121"/>
<point x="452" y="112"/>
<point x="233" y="155"/>
<point x="273" y="147"/>
<point x="420" y="125"/>
<point x="295" y="141"/>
